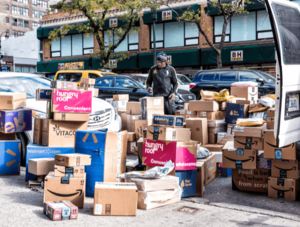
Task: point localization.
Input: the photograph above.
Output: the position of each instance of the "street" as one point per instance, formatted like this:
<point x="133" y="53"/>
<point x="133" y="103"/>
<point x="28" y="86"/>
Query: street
<point x="20" y="206"/>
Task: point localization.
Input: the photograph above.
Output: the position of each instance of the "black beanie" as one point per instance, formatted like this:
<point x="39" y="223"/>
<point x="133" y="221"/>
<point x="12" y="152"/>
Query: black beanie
<point x="162" y="58"/>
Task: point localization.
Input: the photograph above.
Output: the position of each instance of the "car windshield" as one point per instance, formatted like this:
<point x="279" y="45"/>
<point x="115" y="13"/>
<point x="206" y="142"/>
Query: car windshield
<point x="141" y="80"/>
<point x="184" y="79"/>
<point x="26" y="85"/>
<point x="267" y="77"/>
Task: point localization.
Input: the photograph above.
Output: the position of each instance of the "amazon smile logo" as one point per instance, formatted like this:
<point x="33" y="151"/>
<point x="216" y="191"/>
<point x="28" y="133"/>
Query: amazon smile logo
<point x="254" y="143"/>
<point x="79" y="191"/>
<point x="294" y="168"/>
<point x="289" y="146"/>
<point x="251" y="158"/>
<point x="290" y="190"/>
<point x="60" y="160"/>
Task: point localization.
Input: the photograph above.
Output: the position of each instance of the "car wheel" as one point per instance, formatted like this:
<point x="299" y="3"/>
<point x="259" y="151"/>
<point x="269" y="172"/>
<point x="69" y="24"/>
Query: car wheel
<point x="24" y="141"/>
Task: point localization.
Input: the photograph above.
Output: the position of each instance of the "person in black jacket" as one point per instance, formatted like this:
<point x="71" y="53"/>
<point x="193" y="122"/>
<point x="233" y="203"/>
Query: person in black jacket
<point x="165" y="82"/>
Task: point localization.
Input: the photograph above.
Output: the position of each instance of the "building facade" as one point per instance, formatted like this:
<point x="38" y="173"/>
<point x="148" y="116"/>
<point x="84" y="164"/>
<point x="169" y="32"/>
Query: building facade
<point x="20" y="16"/>
<point x="249" y="41"/>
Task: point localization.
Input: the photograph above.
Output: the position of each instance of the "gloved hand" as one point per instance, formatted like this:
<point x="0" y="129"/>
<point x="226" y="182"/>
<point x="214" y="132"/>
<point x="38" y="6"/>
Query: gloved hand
<point x="150" y="90"/>
<point x="172" y="97"/>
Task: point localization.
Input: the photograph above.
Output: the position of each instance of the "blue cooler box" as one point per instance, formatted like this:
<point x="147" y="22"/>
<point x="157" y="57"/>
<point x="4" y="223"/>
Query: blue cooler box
<point x="187" y="180"/>
<point x="37" y="151"/>
<point x="10" y="157"/>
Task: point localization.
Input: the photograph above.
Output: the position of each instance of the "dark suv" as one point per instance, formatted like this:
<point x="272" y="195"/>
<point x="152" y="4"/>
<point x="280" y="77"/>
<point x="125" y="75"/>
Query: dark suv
<point x="216" y="80"/>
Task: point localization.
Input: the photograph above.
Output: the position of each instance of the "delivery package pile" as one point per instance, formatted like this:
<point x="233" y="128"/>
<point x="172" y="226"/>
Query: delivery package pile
<point x="226" y="133"/>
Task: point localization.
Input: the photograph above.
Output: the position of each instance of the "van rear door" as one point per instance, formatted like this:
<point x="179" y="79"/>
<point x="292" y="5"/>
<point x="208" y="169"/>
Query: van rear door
<point x="285" y="20"/>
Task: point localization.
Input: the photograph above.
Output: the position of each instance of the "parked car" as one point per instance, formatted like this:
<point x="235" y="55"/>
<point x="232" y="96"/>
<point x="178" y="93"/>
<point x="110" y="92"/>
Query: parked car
<point x="216" y="80"/>
<point x="184" y="81"/>
<point x="103" y="114"/>
<point x="122" y="84"/>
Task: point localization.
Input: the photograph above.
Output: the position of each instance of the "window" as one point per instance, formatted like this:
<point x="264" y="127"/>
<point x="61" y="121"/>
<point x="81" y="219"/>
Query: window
<point x="248" y="76"/>
<point x="20" y="33"/>
<point x="124" y="83"/>
<point x="7" y="7"/>
<point x="105" y="82"/>
<point x="26" y="24"/>
<point x="93" y="76"/>
<point x="20" y="10"/>
<point x="14" y="33"/>
<point x="7" y="19"/>
<point x="25" y="12"/>
<point x="244" y="27"/>
<point x="34" y="24"/>
<point x="208" y="77"/>
<point x="34" y="14"/>
<point x="40" y="15"/>
<point x="226" y="77"/>
<point x="66" y="46"/>
<point x="14" y="10"/>
<point x="34" y="2"/>
<point x="25" y="1"/>
<point x="88" y="44"/>
<point x="14" y="22"/>
<point x="175" y="34"/>
<point x="73" y="77"/>
<point x="20" y="23"/>
<point x="77" y="44"/>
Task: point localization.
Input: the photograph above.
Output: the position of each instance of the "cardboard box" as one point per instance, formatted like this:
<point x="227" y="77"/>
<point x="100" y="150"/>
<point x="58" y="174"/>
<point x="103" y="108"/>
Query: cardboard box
<point x="150" y="106"/>
<point x="40" y="166"/>
<point x="214" y="130"/>
<point x="7" y="136"/>
<point x="262" y="115"/>
<point x="120" y="105"/>
<point x="70" y="160"/>
<point x="185" y="112"/>
<point x="223" y="172"/>
<point x="12" y="100"/>
<point x="217" y="115"/>
<point x="115" y="199"/>
<point x="230" y="129"/>
<point x="71" y="116"/>
<point x="187" y="181"/>
<point x="65" y="101"/>
<point x="95" y="91"/>
<point x="131" y="148"/>
<point x="253" y="180"/>
<point x="149" y="200"/>
<point x="223" y="138"/>
<point x="212" y="138"/>
<point x="200" y="186"/>
<point x="36" y="151"/>
<point x="235" y="111"/>
<point x="147" y="185"/>
<point x="216" y="123"/>
<point x="183" y="154"/>
<point x="140" y="125"/>
<point x="64" y="171"/>
<point x="257" y="131"/>
<point x="280" y="188"/>
<point x="60" y="133"/>
<point x="63" y="84"/>
<point x="10" y="157"/>
<point x="108" y="151"/>
<point x="213" y="147"/>
<point x="167" y="120"/>
<point x="15" y="120"/>
<point x="37" y="132"/>
<point x="238" y="158"/>
<point x="186" y="106"/>
<point x="87" y="80"/>
<point x="168" y="134"/>
<point x="133" y="108"/>
<point x="270" y="118"/>
<point x="271" y="113"/>
<point x="272" y="151"/>
<point x="86" y="86"/>
<point x="131" y="137"/>
<point x="71" y="189"/>
<point x="285" y="169"/>
<point x="249" y="93"/>
<point x="250" y="143"/>
<point x="243" y="101"/>
<point x="210" y="168"/>
<point x="128" y="121"/>
<point x="270" y="123"/>
<point x="43" y="94"/>
<point x="60" y="210"/>
<point x="199" y="129"/>
<point x="200" y="105"/>
<point x="122" y="97"/>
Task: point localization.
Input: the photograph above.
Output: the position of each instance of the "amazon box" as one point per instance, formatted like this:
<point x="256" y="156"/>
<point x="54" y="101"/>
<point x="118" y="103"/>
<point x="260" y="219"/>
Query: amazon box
<point x="133" y="108"/>
<point x="250" y="143"/>
<point x="95" y="91"/>
<point x="212" y="138"/>
<point x="71" y="189"/>
<point x="187" y="181"/>
<point x="186" y="114"/>
<point x="250" y="180"/>
<point x="270" y="118"/>
<point x="285" y="169"/>
<point x="70" y="160"/>
<point x="150" y="106"/>
<point x="204" y="106"/>
<point x="64" y="171"/>
<point x="216" y="130"/>
<point x="217" y="115"/>
<point x="213" y="147"/>
<point x="12" y="100"/>
<point x="223" y="138"/>
<point x="108" y="151"/>
<point x="128" y="121"/>
<point x="63" y="84"/>
<point x="40" y="166"/>
<point x="115" y="199"/>
<point x="280" y="188"/>
<point x="43" y="94"/>
<point x="183" y="154"/>
<point x="216" y="123"/>
<point x="140" y="125"/>
<point x="167" y="121"/>
<point x="131" y="137"/>
<point x="10" y="157"/>
<point x="210" y="168"/>
<point x="71" y="117"/>
<point x="60" y="133"/>
<point x="15" y="120"/>
<point x="200" y="185"/>
<point x="168" y="134"/>
<point x="235" y="111"/>
<point x="131" y="148"/>
<point x="7" y="136"/>
<point x="249" y="93"/>
<point x="272" y="151"/>
<point x="257" y="131"/>
<point x="87" y="80"/>
<point x="236" y="158"/>
<point x="122" y="97"/>
<point x="60" y="210"/>
<point x="37" y="132"/>
<point x="199" y="129"/>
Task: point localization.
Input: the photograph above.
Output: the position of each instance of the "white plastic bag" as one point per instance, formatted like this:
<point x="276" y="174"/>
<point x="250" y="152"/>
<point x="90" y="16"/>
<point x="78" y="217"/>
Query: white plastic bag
<point x="266" y="101"/>
<point x="202" y="153"/>
<point x="244" y="84"/>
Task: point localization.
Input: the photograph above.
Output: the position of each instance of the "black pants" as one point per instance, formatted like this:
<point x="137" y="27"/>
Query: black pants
<point x="169" y="106"/>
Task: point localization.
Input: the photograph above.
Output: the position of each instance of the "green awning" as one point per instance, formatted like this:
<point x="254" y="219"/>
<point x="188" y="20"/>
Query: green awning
<point x="257" y="53"/>
<point x="178" y="58"/>
<point x="130" y="63"/>
<point x="179" y="10"/>
<point x="52" y="66"/>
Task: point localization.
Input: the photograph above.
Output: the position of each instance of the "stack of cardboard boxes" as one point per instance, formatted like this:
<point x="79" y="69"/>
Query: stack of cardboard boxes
<point x="119" y="103"/>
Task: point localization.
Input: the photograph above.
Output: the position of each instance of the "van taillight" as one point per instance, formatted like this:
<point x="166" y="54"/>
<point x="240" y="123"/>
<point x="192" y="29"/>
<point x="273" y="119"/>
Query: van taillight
<point x="192" y="85"/>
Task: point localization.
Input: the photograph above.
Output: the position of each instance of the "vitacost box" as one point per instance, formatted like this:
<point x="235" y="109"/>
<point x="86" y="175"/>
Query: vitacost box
<point x="15" y="120"/>
<point x="168" y="120"/>
<point x="10" y="157"/>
